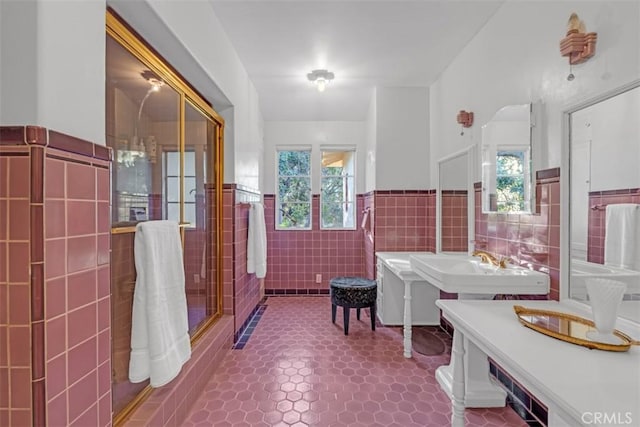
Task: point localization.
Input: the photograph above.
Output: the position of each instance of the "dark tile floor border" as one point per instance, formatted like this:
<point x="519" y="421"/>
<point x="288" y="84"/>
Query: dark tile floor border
<point x="241" y="337"/>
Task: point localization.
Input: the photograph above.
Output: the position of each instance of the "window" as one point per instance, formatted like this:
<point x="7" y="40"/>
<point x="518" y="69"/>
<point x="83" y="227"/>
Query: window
<point x="293" y="201"/>
<point x="337" y="190"/>
<point x="172" y="186"/>
<point x="511" y="180"/>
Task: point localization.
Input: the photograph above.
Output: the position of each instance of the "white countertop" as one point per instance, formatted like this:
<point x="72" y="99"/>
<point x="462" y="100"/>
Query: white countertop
<point x="570" y="379"/>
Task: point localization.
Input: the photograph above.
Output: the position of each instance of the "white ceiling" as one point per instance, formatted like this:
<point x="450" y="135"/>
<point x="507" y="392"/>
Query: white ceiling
<point x="365" y="43"/>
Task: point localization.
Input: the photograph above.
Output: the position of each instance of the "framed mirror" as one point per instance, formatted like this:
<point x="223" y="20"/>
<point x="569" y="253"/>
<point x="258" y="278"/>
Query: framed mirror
<point x="455" y="215"/>
<point x="506" y="152"/>
<point x="604" y="186"/>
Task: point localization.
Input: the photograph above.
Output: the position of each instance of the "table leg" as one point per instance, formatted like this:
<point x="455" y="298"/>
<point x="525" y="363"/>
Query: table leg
<point x="407" y="319"/>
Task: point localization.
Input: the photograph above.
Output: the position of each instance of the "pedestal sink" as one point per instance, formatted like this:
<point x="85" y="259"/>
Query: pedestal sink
<point x="468" y="275"/>
<point x="471" y="279"/>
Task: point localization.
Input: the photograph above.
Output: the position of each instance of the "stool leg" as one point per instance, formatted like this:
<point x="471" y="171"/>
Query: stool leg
<point x="372" y="312"/>
<point x="333" y="313"/>
<point x="345" y="311"/>
<point x="358" y="314"/>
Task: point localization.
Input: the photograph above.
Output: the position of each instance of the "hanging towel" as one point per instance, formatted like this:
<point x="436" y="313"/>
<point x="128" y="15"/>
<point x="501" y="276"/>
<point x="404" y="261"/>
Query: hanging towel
<point x="622" y="236"/>
<point x="160" y="342"/>
<point x="257" y="242"/>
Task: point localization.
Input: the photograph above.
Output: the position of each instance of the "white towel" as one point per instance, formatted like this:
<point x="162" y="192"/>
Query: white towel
<point x="257" y="242"/>
<point x="160" y="342"/>
<point x="622" y="236"/>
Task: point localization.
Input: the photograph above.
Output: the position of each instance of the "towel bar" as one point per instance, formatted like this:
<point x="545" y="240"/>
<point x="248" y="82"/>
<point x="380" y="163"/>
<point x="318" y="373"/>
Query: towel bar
<point x="132" y="228"/>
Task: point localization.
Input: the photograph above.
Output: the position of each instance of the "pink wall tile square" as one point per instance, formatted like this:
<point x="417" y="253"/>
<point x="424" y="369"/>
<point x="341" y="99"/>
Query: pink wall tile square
<point x="20" y="387"/>
<point x="81" y="181"/>
<point x="4" y="215"/>
<point x="81" y="289"/>
<point x="56" y="376"/>
<point x="4" y="177"/>
<point x="104" y="346"/>
<point x="4" y="387"/>
<point x="55" y="219"/>
<point x="81" y="324"/>
<point x="56" y="336"/>
<point x="81" y="360"/>
<point x="81" y="217"/>
<point x="19" y="219"/>
<point x="19" y="340"/>
<point x="104" y="378"/>
<point x="82" y="395"/>
<point x="81" y="253"/>
<point x="55" y="253"/>
<point x="104" y="217"/>
<point x="104" y="411"/>
<point x="54" y="179"/>
<point x="19" y="259"/>
<point x="104" y="314"/>
<point x="19" y="178"/>
<point x="18" y="304"/>
<point x="103" y="253"/>
<point x="103" y="185"/>
<point x="104" y="281"/>
<point x="88" y="418"/>
<point x="57" y="411"/>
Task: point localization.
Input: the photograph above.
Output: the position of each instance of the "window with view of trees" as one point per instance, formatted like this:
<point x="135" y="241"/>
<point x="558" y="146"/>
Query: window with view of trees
<point x="510" y="176"/>
<point x="293" y="203"/>
<point x="337" y="190"/>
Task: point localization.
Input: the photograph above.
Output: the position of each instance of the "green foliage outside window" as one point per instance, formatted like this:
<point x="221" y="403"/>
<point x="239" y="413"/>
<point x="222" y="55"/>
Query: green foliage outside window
<point x="337" y="190"/>
<point x="510" y="181"/>
<point x="294" y="189"/>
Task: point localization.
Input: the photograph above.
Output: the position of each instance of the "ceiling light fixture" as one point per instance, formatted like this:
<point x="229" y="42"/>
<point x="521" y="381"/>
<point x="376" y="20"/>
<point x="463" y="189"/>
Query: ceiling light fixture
<point x="321" y="78"/>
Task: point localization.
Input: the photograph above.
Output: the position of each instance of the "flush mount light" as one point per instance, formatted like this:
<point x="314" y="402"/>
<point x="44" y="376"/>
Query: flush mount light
<point x="321" y="78"/>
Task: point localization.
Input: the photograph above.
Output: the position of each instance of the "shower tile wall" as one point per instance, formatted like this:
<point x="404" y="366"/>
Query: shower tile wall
<point x="295" y="257"/>
<point x="454" y="221"/>
<point x="55" y="326"/>
<point x="597" y="218"/>
<point x="529" y="240"/>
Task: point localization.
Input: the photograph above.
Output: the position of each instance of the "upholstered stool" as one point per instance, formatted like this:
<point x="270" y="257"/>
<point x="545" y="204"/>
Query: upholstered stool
<point x="353" y="292"/>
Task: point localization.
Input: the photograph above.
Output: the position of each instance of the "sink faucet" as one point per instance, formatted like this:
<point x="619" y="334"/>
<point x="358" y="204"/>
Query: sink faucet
<point x="487" y="258"/>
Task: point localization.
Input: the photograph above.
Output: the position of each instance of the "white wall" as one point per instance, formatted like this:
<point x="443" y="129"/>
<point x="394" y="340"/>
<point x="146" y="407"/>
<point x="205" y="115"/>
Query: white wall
<point x="53" y="66"/>
<point x="402" y="138"/>
<point x="314" y="134"/>
<point x="370" y="162"/>
<point x="515" y="59"/>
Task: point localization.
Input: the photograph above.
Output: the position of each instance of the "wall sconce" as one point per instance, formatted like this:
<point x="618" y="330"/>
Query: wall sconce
<point x="465" y="118"/>
<point x="321" y="78"/>
<point x="577" y="45"/>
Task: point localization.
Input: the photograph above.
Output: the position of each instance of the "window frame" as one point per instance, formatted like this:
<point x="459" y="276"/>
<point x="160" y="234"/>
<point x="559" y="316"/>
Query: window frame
<point x="354" y="202"/>
<point x="284" y="148"/>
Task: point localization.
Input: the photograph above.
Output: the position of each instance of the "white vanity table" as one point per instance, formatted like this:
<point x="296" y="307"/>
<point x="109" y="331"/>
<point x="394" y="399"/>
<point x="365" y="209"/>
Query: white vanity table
<point x="575" y="383"/>
<point x="399" y="288"/>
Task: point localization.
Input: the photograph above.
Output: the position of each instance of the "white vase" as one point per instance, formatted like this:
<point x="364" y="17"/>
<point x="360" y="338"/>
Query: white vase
<point x="605" y="296"/>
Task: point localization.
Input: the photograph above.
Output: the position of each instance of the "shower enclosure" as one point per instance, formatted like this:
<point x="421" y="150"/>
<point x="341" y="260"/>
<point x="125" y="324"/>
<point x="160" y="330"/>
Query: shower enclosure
<point x="167" y="164"/>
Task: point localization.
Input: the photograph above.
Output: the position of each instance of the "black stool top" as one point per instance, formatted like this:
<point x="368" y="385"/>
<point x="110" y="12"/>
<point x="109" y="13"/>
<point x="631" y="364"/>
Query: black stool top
<point x="352" y="282"/>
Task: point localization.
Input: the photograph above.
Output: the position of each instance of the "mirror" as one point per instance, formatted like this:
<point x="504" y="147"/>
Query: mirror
<point x="604" y="212"/>
<point x="455" y="217"/>
<point x="507" y="161"/>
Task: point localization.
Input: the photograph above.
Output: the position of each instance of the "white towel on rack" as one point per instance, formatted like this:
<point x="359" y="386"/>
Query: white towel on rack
<point x="160" y="342"/>
<point x="257" y="242"/>
<point x="622" y="236"/>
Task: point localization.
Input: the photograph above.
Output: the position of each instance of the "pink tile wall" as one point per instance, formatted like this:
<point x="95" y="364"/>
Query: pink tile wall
<point x="54" y="192"/>
<point x="247" y="286"/>
<point x="454" y="221"/>
<point x="597" y="218"/>
<point x="15" y="314"/>
<point x="77" y="327"/>
<point x="402" y="221"/>
<point x="241" y="291"/>
<point x="529" y="240"/>
<point x="295" y="257"/>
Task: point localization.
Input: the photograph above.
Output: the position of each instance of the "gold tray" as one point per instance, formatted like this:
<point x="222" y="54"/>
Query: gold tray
<point x="569" y="328"/>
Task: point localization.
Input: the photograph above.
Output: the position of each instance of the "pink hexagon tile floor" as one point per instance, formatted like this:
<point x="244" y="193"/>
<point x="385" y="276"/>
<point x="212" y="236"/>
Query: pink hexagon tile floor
<point x="298" y="369"/>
